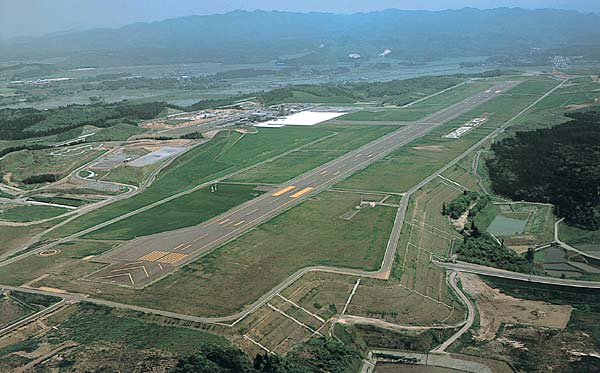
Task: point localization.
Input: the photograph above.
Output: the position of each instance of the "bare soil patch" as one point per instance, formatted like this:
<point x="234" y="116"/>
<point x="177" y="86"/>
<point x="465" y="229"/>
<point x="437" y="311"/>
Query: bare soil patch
<point x="496" y="308"/>
<point x="434" y="148"/>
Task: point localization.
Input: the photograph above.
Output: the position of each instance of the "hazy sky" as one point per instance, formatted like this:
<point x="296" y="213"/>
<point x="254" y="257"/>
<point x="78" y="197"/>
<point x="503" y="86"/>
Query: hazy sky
<point x="35" y="17"/>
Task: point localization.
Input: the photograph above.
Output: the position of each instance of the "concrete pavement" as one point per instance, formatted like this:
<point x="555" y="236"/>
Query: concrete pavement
<point x="144" y="260"/>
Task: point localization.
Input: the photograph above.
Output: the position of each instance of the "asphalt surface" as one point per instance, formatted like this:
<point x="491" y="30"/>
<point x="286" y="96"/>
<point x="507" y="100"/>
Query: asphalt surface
<point x="468" y="322"/>
<point x="149" y="258"/>
<point x="495" y="272"/>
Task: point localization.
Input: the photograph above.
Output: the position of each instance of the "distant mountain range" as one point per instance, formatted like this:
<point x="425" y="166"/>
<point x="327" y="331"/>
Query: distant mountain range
<point x="260" y="36"/>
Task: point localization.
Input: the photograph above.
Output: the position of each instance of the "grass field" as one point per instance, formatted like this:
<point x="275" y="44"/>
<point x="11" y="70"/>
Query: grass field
<point x="22" y="213"/>
<point x="412" y="163"/>
<point x="188" y="210"/>
<point x="421" y="109"/>
<point x="129" y="174"/>
<point x="225" y="153"/>
<point x="13" y="237"/>
<point x="25" y="163"/>
<point x="62" y="200"/>
<point x="550" y="111"/>
<point x="296" y="163"/>
<point x="18" y="305"/>
<point x="239" y="272"/>
<point x="102" y="339"/>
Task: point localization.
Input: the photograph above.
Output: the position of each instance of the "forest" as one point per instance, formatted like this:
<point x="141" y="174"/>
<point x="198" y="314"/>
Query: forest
<point x="26" y="123"/>
<point x="558" y="165"/>
<point x="318" y="355"/>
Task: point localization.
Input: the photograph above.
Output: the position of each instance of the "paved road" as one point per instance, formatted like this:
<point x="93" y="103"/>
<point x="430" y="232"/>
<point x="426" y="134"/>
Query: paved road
<point x="30" y="318"/>
<point x="470" y="315"/>
<point x="234" y="318"/>
<point x="566" y="246"/>
<point x="87" y="208"/>
<point x="149" y="258"/>
<point x="495" y="272"/>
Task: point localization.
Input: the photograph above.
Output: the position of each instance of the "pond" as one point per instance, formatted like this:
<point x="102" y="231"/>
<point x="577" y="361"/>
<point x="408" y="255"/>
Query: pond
<point x="505" y="226"/>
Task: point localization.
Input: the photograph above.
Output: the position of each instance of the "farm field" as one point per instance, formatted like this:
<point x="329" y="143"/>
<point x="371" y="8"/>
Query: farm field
<point x="412" y="163"/>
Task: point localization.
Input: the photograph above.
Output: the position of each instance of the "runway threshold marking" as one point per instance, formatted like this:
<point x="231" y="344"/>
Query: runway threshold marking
<point x="171" y="258"/>
<point x="283" y="191"/>
<point x="154" y="255"/>
<point x="302" y="192"/>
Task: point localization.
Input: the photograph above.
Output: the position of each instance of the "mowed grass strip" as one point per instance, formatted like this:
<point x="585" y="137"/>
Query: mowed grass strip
<point x="227" y="152"/>
<point x="412" y="163"/>
<point x="239" y="272"/>
<point x="347" y="138"/>
<point x="30" y="213"/>
<point x="420" y="109"/>
<point x="186" y="211"/>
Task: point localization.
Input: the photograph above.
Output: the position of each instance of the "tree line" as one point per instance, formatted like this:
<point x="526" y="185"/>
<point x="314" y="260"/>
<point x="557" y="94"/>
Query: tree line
<point x="558" y="165"/>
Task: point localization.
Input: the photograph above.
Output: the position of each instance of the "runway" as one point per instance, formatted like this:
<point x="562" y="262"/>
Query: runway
<point x="146" y="259"/>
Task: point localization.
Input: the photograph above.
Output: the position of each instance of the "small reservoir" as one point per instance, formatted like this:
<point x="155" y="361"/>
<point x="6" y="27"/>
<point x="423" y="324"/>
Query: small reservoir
<point x="504" y="226"/>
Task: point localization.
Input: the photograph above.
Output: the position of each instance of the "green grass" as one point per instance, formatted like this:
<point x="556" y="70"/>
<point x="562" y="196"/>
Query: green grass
<point x="188" y="210"/>
<point x="129" y="174"/>
<point x="294" y="164"/>
<point x="305" y="97"/>
<point x="67" y="201"/>
<point x="407" y="166"/>
<point x="13" y="237"/>
<point x="65" y="264"/>
<point x="30" y="213"/>
<point x="287" y="167"/>
<point x="421" y="109"/>
<point x="225" y="153"/>
<point x="121" y="131"/>
<point x="99" y="325"/>
<point x="25" y="163"/>
<point x="238" y="273"/>
<point x="578" y="237"/>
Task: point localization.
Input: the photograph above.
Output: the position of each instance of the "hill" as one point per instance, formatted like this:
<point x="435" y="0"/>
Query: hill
<point x="314" y="38"/>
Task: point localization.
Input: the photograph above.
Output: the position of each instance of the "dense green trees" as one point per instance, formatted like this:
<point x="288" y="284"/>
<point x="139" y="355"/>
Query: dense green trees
<point x="19" y="124"/>
<point x="396" y="92"/>
<point x="559" y="165"/>
<point x="316" y="355"/>
<point x="482" y="248"/>
<point x="460" y="204"/>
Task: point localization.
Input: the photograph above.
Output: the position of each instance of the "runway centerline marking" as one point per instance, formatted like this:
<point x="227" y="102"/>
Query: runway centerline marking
<point x="252" y="212"/>
<point x="239" y="223"/>
<point x="201" y="237"/>
<point x="224" y="221"/>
